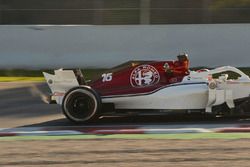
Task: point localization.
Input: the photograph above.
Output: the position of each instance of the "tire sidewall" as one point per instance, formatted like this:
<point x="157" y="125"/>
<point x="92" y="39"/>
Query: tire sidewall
<point x="90" y="93"/>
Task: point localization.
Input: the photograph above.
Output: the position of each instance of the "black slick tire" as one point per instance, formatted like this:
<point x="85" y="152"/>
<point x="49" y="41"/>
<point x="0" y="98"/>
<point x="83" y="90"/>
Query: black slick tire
<point x="81" y="104"/>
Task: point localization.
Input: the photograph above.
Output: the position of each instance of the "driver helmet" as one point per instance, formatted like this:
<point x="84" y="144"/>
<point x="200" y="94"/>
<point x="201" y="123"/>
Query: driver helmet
<point x="182" y="57"/>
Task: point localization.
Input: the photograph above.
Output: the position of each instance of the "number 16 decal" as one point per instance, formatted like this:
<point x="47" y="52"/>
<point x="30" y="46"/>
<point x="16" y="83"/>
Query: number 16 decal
<point x="107" y="77"/>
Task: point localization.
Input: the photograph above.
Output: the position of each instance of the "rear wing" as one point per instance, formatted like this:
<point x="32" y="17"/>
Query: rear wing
<point x="61" y="81"/>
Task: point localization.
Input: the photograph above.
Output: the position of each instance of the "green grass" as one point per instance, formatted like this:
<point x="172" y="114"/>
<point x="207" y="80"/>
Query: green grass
<point x="12" y="79"/>
<point x="185" y="136"/>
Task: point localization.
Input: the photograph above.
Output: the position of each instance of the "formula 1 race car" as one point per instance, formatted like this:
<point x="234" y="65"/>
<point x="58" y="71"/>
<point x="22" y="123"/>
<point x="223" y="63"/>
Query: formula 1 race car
<point x="149" y="87"/>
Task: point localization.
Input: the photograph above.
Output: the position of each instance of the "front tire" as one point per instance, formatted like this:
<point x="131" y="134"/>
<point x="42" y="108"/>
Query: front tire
<point x="81" y="104"/>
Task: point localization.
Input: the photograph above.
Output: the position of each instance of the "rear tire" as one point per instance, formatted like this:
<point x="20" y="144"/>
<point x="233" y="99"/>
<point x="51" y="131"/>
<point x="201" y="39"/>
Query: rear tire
<point x="81" y="104"/>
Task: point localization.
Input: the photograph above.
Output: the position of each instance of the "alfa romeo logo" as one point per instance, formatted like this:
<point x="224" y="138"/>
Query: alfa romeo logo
<point x="144" y="75"/>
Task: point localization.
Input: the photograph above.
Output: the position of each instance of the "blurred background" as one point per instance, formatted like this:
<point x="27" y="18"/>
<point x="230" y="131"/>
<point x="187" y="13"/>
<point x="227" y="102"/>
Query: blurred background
<point x="38" y="34"/>
<point x="123" y="12"/>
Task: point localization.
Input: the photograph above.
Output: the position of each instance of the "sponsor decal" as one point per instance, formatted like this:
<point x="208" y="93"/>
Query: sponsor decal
<point x="144" y="75"/>
<point x="173" y="80"/>
<point x="58" y="94"/>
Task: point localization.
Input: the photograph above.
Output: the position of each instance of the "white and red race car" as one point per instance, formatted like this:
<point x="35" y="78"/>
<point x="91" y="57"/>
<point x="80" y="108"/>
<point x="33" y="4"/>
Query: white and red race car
<point x="149" y="87"/>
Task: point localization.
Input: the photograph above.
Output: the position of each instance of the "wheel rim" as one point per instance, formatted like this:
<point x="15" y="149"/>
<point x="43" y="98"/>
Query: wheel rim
<point x="80" y="105"/>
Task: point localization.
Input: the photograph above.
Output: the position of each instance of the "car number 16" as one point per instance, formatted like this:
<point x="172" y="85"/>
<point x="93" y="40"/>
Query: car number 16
<point x="107" y="77"/>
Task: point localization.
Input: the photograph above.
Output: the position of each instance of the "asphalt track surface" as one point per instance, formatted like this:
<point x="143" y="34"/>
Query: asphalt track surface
<point x="22" y="105"/>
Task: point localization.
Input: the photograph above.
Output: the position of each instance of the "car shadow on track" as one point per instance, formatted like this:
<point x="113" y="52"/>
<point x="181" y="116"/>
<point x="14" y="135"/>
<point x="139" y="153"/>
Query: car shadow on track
<point x="148" y="120"/>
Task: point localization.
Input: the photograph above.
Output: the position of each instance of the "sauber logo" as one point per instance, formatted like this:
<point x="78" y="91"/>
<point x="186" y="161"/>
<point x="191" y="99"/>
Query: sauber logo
<point x="144" y="75"/>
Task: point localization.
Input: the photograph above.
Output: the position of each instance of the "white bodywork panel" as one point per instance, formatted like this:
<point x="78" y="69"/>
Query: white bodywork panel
<point x="60" y="83"/>
<point x="197" y="91"/>
<point x="174" y="97"/>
